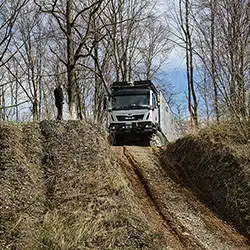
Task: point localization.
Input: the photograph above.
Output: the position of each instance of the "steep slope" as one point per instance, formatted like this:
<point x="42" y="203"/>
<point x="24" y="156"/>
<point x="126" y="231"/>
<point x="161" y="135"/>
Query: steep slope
<point x="172" y="209"/>
<point x="22" y="190"/>
<point x="90" y="206"/>
<point x="63" y="188"/>
<point x="216" y="166"/>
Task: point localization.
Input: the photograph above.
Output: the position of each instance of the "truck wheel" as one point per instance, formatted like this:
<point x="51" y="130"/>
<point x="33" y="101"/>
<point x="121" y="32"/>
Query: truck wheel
<point x="156" y="140"/>
<point x="112" y="139"/>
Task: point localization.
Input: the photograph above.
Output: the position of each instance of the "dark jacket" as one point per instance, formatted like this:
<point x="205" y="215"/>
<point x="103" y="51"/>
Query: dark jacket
<point x="58" y="96"/>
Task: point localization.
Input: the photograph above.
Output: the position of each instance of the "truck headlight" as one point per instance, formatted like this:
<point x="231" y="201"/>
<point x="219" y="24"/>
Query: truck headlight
<point x="148" y="126"/>
<point x="112" y="128"/>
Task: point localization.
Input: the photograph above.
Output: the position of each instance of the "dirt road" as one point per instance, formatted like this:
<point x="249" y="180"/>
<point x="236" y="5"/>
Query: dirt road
<point x="172" y="210"/>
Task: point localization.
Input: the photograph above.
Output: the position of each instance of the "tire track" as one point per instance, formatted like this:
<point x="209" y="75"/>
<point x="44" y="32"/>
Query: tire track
<point x="178" y="212"/>
<point x="168" y="223"/>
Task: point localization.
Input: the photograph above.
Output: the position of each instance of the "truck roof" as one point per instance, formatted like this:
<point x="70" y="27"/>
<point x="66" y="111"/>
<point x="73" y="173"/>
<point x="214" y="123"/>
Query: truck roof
<point x="135" y="84"/>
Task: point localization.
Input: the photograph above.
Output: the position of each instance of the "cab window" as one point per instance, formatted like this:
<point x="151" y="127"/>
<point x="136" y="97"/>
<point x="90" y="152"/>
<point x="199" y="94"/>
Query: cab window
<point x="154" y="101"/>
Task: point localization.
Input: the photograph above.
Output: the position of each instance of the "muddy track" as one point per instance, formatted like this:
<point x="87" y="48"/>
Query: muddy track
<point x="172" y="210"/>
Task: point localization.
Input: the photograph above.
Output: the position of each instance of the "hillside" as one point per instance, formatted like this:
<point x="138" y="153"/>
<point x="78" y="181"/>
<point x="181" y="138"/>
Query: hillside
<point x="63" y="187"/>
<point x="215" y="164"/>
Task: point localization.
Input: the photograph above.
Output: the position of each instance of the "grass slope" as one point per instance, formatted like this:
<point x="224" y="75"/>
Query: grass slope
<point x="216" y="163"/>
<point x="22" y="189"/>
<point x="61" y="188"/>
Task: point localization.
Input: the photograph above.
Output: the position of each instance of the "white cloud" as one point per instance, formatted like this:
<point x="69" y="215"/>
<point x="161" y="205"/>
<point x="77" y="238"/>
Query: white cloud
<point x="176" y="60"/>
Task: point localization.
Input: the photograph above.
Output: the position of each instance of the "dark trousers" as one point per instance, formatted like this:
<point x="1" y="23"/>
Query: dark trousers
<point x="59" y="107"/>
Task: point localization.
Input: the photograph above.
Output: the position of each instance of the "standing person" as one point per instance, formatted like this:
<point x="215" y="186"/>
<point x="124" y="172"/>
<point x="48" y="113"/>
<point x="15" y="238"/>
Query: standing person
<point x="58" y="92"/>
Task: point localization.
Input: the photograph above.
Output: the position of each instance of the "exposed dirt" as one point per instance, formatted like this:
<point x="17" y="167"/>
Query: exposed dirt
<point x="171" y="209"/>
<point x="63" y="188"/>
<point x="216" y="166"/>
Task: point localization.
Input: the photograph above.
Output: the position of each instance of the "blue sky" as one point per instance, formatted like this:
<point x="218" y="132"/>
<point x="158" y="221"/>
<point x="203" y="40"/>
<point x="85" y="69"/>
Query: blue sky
<point x="174" y="73"/>
<point x="177" y="77"/>
<point x="176" y="69"/>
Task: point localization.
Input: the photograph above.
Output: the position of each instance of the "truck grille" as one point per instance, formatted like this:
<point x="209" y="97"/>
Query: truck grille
<point x="129" y="117"/>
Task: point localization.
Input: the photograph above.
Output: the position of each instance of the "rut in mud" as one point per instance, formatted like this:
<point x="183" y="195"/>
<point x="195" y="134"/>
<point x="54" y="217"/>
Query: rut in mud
<point x="172" y="210"/>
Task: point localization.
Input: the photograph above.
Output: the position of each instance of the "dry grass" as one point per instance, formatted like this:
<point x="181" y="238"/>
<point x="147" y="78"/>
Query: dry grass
<point x="63" y="189"/>
<point x="88" y="197"/>
<point x="217" y="163"/>
<point x="21" y="193"/>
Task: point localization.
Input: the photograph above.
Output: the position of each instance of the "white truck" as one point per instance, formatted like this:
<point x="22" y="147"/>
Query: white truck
<point x="139" y="113"/>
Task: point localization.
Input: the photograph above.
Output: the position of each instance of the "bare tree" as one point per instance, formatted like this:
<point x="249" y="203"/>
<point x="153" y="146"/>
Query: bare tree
<point x="9" y="11"/>
<point x="78" y="42"/>
<point x="224" y="51"/>
<point x="154" y="47"/>
<point x="120" y="54"/>
<point x="30" y="57"/>
<point x="83" y="46"/>
<point x="186" y="29"/>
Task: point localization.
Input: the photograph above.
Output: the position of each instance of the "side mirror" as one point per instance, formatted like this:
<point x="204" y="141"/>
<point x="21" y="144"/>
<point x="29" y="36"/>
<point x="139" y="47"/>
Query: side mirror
<point x="106" y="103"/>
<point x="151" y="107"/>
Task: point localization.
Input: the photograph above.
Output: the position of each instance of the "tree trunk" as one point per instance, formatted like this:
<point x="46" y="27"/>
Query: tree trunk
<point x="35" y="89"/>
<point x="71" y="88"/>
<point x="2" y="104"/>
<point x="193" y="107"/>
<point x="241" y="83"/>
<point x="216" y="108"/>
<point x="35" y="106"/>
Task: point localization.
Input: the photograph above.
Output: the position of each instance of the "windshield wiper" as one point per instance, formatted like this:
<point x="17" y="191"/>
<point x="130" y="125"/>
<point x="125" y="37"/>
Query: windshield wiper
<point x="138" y="106"/>
<point x="131" y="106"/>
<point x="121" y="107"/>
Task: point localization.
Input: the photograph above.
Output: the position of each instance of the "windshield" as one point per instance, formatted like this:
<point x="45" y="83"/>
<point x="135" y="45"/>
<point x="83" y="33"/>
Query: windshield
<point x="130" y="99"/>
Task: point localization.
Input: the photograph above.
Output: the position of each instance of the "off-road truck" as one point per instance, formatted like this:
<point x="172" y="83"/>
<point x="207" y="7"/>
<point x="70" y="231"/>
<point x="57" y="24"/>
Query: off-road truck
<point x="139" y="113"/>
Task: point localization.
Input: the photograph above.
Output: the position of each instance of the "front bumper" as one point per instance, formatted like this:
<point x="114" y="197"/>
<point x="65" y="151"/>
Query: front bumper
<point x="134" y="127"/>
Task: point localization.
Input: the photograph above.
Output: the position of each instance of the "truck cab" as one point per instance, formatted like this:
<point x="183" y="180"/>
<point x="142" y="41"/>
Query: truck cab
<point x="135" y="114"/>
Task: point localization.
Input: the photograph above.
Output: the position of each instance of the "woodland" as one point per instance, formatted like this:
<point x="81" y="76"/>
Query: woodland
<point x="86" y="45"/>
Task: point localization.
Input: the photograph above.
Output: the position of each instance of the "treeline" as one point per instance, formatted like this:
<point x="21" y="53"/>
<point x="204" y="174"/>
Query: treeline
<point x="215" y="37"/>
<point x="82" y="46"/>
<point x="86" y="45"/>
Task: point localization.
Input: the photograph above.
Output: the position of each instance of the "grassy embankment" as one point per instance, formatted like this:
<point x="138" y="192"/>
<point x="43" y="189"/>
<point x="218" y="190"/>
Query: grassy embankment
<point x="216" y="163"/>
<point x="61" y="188"/>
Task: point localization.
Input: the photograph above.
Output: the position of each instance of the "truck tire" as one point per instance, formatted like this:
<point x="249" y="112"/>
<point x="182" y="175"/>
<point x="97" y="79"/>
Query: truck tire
<point x="112" y="139"/>
<point x="156" y="140"/>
